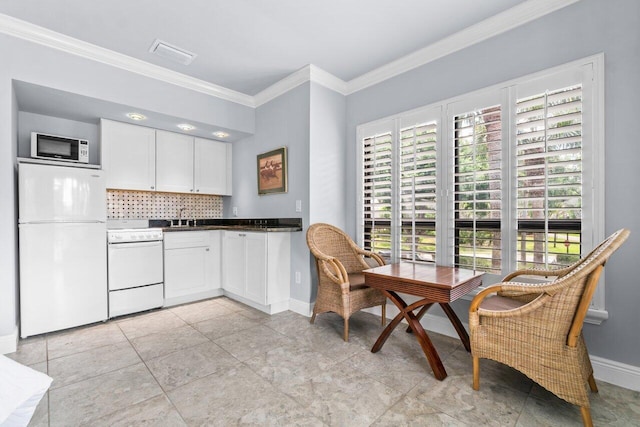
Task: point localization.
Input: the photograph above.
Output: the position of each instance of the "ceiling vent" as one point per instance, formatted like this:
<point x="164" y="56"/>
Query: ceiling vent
<point x="174" y="53"/>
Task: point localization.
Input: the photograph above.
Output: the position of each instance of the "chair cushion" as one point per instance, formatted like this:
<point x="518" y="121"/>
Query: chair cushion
<point x="498" y="303"/>
<point x="356" y="281"/>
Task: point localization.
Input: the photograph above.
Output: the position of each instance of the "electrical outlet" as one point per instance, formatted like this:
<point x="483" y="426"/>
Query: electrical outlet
<point x="298" y="277"/>
<point x="235" y="211"/>
<point x="298" y="205"/>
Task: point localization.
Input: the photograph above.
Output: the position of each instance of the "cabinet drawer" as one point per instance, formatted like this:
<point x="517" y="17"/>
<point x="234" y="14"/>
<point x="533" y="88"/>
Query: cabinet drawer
<point x="185" y="239"/>
<point x="241" y="234"/>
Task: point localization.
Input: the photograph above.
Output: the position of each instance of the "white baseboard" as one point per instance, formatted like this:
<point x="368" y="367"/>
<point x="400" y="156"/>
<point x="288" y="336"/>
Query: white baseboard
<point x="620" y="374"/>
<point x="9" y="343"/>
<point x="269" y="309"/>
<point x="278" y="307"/>
<point x="610" y="371"/>
<point x="170" y="302"/>
<point x="301" y="307"/>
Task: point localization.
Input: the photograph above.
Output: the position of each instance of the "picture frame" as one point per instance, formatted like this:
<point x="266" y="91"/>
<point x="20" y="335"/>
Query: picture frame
<point x="272" y="171"/>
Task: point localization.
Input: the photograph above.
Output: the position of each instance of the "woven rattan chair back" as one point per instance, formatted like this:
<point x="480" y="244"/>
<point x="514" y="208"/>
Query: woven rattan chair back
<point x="325" y="239"/>
<point x="340" y="286"/>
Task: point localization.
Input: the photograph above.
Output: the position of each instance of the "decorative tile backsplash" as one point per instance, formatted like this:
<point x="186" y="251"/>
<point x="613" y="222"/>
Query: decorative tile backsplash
<point x="122" y="204"/>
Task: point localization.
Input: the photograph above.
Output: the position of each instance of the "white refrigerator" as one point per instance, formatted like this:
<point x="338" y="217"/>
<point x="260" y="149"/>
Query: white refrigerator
<point x="63" y="251"/>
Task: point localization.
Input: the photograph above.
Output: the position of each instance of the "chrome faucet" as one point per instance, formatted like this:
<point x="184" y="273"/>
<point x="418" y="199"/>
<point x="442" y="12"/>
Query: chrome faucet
<point x="180" y="211"/>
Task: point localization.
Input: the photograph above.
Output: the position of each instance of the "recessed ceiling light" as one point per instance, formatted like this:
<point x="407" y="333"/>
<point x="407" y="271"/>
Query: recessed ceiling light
<point x="220" y="134"/>
<point x="136" y="116"/>
<point x="186" y="127"/>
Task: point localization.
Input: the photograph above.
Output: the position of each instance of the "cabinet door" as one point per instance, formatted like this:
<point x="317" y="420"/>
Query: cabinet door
<point x="215" y="259"/>
<point x="256" y="267"/>
<point x="185" y="271"/>
<point x="233" y="255"/>
<point x="174" y="162"/>
<point x="128" y="155"/>
<point x="212" y="167"/>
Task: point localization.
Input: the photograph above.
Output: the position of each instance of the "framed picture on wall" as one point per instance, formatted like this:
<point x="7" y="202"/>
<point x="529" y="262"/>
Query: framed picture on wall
<point x="272" y="171"/>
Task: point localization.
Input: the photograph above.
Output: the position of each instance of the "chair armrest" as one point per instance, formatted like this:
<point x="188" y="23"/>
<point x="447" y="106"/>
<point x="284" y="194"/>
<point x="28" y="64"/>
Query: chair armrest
<point x="475" y="311"/>
<point x="480" y="296"/>
<point x="336" y="272"/>
<point x="377" y="258"/>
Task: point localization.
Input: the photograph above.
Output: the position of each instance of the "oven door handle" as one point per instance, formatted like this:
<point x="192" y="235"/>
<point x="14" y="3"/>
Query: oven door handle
<point x="129" y="245"/>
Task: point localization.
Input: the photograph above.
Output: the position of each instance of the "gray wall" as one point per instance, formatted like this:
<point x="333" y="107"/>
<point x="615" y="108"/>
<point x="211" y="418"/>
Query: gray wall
<point x="580" y="30"/>
<point x="8" y="212"/>
<point x="92" y="79"/>
<point x="327" y="163"/>
<point x="327" y="166"/>
<point x="283" y="121"/>
<point x="310" y="121"/>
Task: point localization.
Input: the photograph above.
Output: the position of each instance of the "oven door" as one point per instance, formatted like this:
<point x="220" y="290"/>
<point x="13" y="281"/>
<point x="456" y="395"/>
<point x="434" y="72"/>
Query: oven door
<point x="135" y="264"/>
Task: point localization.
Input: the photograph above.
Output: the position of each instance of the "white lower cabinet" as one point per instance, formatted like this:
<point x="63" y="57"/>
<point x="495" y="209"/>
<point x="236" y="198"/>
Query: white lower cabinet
<point x="256" y="269"/>
<point x="233" y="254"/>
<point x="191" y="266"/>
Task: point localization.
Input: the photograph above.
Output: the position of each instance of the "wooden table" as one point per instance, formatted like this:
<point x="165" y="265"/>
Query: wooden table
<point x="435" y="284"/>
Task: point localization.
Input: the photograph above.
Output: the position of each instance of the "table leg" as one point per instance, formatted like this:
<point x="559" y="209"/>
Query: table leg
<point x="457" y="324"/>
<point x="420" y="314"/>
<point x="414" y="323"/>
<point x="453" y="318"/>
<point x="393" y="324"/>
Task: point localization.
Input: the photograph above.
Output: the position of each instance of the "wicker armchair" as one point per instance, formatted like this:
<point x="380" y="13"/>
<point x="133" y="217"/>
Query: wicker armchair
<point x="537" y="328"/>
<point x="340" y="263"/>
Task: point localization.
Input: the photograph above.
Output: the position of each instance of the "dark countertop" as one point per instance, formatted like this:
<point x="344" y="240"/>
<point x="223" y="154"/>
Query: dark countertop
<point x="230" y="228"/>
<point x="251" y="224"/>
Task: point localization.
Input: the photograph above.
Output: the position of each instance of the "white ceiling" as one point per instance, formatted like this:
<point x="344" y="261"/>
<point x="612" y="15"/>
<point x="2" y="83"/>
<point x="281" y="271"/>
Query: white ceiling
<point x="248" y="45"/>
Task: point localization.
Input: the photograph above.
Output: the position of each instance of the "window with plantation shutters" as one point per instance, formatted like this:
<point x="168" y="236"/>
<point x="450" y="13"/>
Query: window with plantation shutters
<point x="549" y="178"/>
<point x="478" y="189"/>
<point x="504" y="178"/>
<point x="417" y="192"/>
<point x="377" y="192"/>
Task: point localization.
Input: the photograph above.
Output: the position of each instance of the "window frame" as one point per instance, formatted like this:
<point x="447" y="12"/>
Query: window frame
<point x="591" y="74"/>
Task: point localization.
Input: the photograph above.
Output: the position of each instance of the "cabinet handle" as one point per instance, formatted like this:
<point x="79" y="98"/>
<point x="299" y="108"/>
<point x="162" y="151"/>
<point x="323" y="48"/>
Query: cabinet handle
<point x="242" y="235"/>
<point x="197" y="191"/>
<point x="152" y="187"/>
<point x="207" y="249"/>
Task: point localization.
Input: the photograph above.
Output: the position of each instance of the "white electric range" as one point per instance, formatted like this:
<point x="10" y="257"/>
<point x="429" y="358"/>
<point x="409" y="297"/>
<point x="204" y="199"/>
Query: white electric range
<point x="135" y="268"/>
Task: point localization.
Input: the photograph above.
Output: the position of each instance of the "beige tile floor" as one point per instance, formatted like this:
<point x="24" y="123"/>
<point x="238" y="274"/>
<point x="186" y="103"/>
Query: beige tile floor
<point x="218" y="362"/>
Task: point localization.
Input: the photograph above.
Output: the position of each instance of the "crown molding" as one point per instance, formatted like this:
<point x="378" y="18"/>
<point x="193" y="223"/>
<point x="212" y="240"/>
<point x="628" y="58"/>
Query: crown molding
<point x="36" y="34"/>
<point x="280" y="87"/>
<point x="505" y="21"/>
<point x="305" y="74"/>
<point x="498" y="24"/>
<point x="328" y="80"/>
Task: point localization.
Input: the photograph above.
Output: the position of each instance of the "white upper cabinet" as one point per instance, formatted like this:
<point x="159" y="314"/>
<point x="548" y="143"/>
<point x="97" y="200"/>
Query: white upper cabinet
<point x="174" y="162"/>
<point x="192" y="165"/>
<point x="128" y="155"/>
<point x="140" y="158"/>
<point x="212" y="167"/>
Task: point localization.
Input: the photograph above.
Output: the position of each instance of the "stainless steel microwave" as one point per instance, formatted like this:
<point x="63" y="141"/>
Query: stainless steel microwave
<point x="55" y="147"/>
